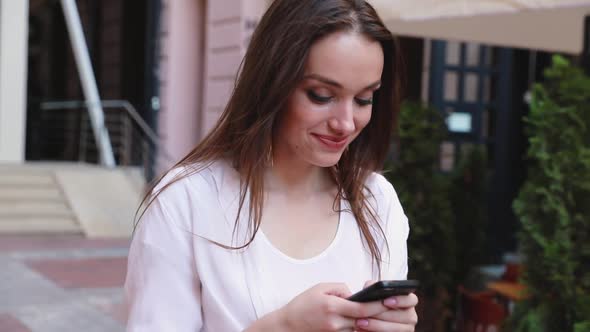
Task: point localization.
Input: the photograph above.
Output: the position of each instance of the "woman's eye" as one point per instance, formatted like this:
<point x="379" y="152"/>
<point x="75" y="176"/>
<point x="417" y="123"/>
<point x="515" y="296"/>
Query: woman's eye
<point x="318" y="98"/>
<point x="364" y="102"/>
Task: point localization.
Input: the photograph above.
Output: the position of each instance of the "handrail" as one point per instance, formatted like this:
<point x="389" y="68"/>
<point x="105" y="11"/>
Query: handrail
<point x="115" y="103"/>
<point x="88" y="81"/>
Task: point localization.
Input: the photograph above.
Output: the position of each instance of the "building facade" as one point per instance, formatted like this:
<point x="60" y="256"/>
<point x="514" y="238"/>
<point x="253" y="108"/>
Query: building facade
<point x="176" y="62"/>
<point x="197" y="48"/>
<point x="202" y="45"/>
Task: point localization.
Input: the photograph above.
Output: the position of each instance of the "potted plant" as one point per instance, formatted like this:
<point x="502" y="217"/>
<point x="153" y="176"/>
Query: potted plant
<point x="554" y="205"/>
<point x="423" y="191"/>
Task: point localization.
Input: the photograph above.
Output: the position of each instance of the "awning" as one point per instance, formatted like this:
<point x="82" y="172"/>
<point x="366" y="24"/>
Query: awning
<point x="549" y="25"/>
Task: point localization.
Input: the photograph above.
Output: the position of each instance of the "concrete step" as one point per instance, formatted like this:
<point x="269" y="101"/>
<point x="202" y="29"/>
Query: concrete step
<point x="28" y="207"/>
<point x="28" y="179"/>
<point x="49" y="197"/>
<point x="20" y="193"/>
<point x="39" y="225"/>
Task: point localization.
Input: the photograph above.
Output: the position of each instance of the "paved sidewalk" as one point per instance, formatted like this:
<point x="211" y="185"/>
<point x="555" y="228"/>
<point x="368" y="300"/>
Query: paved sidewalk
<point x="61" y="283"/>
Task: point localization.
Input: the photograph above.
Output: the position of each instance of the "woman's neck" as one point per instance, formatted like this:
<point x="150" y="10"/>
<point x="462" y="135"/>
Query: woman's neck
<point x="296" y="177"/>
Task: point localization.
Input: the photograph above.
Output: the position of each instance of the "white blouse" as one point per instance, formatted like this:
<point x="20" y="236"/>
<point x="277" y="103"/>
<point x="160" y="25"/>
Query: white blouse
<point x="179" y="280"/>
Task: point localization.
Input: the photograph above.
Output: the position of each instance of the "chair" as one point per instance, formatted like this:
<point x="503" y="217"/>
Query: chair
<point x="512" y="272"/>
<point x="479" y="312"/>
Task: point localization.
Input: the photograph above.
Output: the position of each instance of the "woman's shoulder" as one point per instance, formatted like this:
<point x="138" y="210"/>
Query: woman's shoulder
<point x="181" y="181"/>
<point x="194" y="198"/>
<point x="383" y="197"/>
<point x="379" y="187"/>
<point x="192" y="183"/>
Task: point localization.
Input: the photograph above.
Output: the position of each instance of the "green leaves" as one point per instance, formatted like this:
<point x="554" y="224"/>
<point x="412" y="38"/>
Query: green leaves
<point x="554" y="204"/>
<point x="582" y="326"/>
<point x="423" y="192"/>
<point x="446" y="211"/>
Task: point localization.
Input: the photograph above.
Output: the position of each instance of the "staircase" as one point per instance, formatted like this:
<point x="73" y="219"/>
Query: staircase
<point x="69" y="198"/>
<point x="31" y="201"/>
<point x="70" y="192"/>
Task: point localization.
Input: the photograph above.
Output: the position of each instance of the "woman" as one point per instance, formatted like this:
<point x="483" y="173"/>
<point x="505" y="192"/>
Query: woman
<point x="279" y="214"/>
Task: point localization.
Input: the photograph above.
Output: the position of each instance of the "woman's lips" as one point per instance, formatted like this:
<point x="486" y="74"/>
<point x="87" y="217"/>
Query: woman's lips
<point x="332" y="142"/>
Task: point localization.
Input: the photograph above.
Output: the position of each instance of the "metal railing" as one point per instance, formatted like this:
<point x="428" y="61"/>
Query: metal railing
<point x="133" y="141"/>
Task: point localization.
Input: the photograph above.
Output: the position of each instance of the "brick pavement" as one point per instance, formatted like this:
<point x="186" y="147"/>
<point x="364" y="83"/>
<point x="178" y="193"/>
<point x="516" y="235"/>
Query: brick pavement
<point x="51" y="283"/>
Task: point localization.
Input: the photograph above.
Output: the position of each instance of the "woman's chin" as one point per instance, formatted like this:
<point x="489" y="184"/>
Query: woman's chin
<point x="327" y="161"/>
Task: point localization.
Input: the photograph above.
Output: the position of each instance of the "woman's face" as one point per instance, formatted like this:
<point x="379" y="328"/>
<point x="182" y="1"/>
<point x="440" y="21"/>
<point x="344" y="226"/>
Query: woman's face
<point x="332" y="104"/>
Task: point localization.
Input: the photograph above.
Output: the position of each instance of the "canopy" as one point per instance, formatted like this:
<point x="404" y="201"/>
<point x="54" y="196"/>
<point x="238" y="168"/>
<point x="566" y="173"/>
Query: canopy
<point x="549" y="25"/>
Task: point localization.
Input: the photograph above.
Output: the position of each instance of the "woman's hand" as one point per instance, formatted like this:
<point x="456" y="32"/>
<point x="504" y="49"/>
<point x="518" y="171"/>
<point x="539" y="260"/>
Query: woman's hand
<point x="325" y="308"/>
<point x="321" y="308"/>
<point x="401" y="316"/>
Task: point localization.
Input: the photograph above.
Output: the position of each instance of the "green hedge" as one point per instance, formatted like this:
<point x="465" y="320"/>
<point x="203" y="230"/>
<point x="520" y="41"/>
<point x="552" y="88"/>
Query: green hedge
<point x="446" y="210"/>
<point x="424" y="193"/>
<point x="554" y="205"/>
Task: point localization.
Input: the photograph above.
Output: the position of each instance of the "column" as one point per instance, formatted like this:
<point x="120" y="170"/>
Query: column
<point x="13" y="79"/>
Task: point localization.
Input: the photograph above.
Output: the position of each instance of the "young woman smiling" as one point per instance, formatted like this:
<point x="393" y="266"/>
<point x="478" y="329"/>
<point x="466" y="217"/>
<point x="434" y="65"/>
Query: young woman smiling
<point x="279" y="214"/>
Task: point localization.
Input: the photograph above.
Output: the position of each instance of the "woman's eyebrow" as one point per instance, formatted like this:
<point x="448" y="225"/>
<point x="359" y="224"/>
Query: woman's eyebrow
<point x="336" y="84"/>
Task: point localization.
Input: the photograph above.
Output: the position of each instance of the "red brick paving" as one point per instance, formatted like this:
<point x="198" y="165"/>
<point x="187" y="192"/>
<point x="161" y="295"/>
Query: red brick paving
<point x="83" y="273"/>
<point x="57" y="242"/>
<point x="8" y="323"/>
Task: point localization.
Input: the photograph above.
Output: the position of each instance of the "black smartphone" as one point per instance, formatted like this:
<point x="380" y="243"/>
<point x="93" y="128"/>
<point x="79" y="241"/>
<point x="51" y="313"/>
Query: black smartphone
<point x="384" y="289"/>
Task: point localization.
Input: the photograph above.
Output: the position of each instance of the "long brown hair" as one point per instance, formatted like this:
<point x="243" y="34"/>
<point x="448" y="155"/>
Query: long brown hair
<point x="271" y="69"/>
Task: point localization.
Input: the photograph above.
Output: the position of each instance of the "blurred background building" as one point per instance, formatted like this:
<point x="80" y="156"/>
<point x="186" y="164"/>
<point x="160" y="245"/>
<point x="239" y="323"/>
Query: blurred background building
<point x="163" y="70"/>
<point x="175" y="61"/>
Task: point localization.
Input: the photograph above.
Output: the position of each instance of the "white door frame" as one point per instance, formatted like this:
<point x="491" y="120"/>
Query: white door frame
<point x="14" y="16"/>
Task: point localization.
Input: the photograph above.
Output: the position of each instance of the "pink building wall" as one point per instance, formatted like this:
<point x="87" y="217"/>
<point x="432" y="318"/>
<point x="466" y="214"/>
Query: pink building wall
<point x="203" y="42"/>
<point x="181" y="83"/>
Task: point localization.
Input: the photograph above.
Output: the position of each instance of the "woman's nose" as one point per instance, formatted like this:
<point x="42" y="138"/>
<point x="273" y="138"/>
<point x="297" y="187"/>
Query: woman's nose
<point x="342" y="120"/>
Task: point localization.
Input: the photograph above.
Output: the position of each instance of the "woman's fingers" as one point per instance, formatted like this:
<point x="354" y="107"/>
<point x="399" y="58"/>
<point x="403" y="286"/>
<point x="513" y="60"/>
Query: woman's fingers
<point x="402" y="301"/>
<point x="336" y="289"/>
<point x="375" y="325"/>
<point x="400" y="314"/>
<point x="357" y="310"/>
<point x="342" y="313"/>
<point x="393" y="314"/>
<point x="403" y="316"/>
